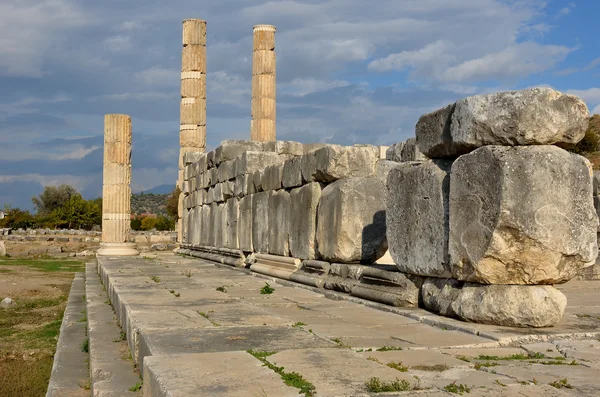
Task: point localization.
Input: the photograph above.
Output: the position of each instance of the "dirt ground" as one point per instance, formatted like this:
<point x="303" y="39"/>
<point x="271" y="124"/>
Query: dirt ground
<point x="29" y="331"/>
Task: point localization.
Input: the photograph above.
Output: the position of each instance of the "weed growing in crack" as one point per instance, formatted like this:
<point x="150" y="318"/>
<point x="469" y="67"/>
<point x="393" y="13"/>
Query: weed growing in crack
<point x="292" y="379"/>
<point x="267" y="289"/>
<point x="376" y="385"/>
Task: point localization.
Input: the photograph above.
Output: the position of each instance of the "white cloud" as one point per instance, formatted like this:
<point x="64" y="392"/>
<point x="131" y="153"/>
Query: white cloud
<point x="301" y="87"/>
<point x="137" y="96"/>
<point x="596" y="110"/>
<point x="78" y="182"/>
<point x="157" y="76"/>
<point x="119" y="43"/>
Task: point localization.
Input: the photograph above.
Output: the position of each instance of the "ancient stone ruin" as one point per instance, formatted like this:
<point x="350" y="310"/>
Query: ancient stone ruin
<point x="482" y="212"/>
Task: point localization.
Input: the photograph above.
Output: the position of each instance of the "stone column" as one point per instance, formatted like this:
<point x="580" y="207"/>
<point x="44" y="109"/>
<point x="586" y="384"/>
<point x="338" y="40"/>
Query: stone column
<point x="192" y="129"/>
<point x="262" y="124"/>
<point x="116" y="193"/>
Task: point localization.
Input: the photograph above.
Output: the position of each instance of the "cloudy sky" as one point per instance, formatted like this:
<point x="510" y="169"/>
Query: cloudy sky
<point x="349" y="71"/>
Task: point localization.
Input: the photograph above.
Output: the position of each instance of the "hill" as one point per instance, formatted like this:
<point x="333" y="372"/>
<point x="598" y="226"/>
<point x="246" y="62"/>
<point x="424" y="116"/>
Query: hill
<point x="149" y="203"/>
<point x="160" y="189"/>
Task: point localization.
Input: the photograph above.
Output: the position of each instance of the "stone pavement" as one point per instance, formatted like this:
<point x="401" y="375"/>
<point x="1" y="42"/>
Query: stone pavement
<point x="199" y="329"/>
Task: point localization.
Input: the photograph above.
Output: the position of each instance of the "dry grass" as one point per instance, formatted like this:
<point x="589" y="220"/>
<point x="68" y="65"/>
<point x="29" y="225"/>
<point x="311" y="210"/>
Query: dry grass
<point x="29" y="331"/>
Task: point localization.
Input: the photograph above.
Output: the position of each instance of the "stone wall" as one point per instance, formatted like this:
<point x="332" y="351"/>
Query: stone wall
<point x="498" y="213"/>
<point x="288" y="199"/>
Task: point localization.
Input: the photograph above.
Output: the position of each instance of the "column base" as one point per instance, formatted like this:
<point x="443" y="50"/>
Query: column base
<point x="118" y="249"/>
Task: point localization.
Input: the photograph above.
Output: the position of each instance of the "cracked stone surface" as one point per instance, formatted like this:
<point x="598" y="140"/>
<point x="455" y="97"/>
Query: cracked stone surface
<point x="190" y="333"/>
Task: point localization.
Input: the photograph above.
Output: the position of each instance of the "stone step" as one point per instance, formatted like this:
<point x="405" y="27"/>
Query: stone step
<point x="111" y="367"/>
<point x="70" y="375"/>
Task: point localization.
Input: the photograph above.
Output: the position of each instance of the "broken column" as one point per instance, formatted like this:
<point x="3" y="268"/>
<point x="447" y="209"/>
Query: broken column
<point x="262" y="124"/>
<point x="515" y="217"/>
<point x="192" y="129"/>
<point x="116" y="193"/>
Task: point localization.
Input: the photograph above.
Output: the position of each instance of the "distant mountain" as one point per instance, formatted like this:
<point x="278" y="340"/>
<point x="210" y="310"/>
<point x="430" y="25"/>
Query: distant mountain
<point x="160" y="189"/>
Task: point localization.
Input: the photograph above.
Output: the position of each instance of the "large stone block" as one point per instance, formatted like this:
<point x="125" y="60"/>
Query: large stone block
<point x="303" y="218"/>
<point x="231" y="207"/>
<point x="351" y="221"/>
<point x="521" y="215"/>
<point x="219" y="215"/>
<point x="279" y="222"/>
<point x="292" y="172"/>
<point x="508" y="305"/>
<point x="260" y="222"/>
<point x="536" y="116"/>
<point x="245" y="223"/>
<point x="206" y="231"/>
<point x="335" y="162"/>
<point x="272" y="176"/>
<point x="284" y="147"/>
<point x="250" y="162"/>
<point x="417" y="217"/>
<point x="230" y="149"/>
<point x="410" y="151"/>
<point x="226" y="170"/>
<point x="394" y="152"/>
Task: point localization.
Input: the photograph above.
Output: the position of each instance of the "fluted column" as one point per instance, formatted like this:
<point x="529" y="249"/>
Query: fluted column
<point x="116" y="192"/>
<point x="192" y="129"/>
<point x="262" y="124"/>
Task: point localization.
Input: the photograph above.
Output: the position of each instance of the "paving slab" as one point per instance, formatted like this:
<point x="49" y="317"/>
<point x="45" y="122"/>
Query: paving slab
<point x="335" y="372"/>
<point x="219" y="339"/>
<point x="416" y="358"/>
<point x="231" y="374"/>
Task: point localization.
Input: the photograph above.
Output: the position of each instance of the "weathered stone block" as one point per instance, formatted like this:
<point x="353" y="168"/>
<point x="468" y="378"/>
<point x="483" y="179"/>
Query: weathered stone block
<point x="212" y="224"/>
<point x="284" y="147"/>
<point x="220" y="226"/>
<point x="410" y="151"/>
<point x="335" y="162"/>
<point x="260" y="222"/>
<point x="521" y="215"/>
<point x="279" y="222"/>
<point x="536" y="116"/>
<point x="292" y="172"/>
<point x="245" y="223"/>
<point x="351" y="221"/>
<point x="230" y="149"/>
<point x="192" y="157"/>
<point x="417" y="217"/>
<point x="303" y="219"/>
<point x="383" y="168"/>
<point x="272" y="176"/>
<point x="206" y="232"/>
<point x="394" y="152"/>
<point x="231" y="223"/>
<point x="228" y="189"/>
<point x="226" y="170"/>
<point x="257" y="181"/>
<point x="251" y="162"/>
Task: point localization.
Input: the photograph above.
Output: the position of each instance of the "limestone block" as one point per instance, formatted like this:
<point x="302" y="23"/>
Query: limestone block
<point x="394" y="152"/>
<point x="228" y="189"/>
<point x="220" y="226"/>
<point x="536" y="116"/>
<point x="193" y="136"/>
<point x="521" y="215"/>
<point x="263" y="62"/>
<point x="417" y="217"/>
<point x="336" y="162"/>
<point x="383" y="152"/>
<point x="200" y="197"/>
<point x="206" y="230"/>
<point x="239" y="185"/>
<point x="279" y="222"/>
<point x="116" y="173"/>
<point x="226" y="170"/>
<point x="253" y="161"/>
<point x="210" y="159"/>
<point x="260" y="222"/>
<point x="383" y="168"/>
<point x="303" y="220"/>
<point x="231" y="207"/>
<point x="257" y="181"/>
<point x="437" y="295"/>
<point x="272" y="176"/>
<point x="214" y="176"/>
<point x="284" y="147"/>
<point x="410" y="151"/>
<point x="230" y="149"/>
<point x="192" y="157"/>
<point x="351" y="221"/>
<point x="245" y="223"/>
<point x="311" y="147"/>
<point x="292" y="172"/>
<point x="218" y="193"/>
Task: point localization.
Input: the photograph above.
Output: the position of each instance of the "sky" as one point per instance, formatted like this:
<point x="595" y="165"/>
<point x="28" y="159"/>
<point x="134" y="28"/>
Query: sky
<point x="348" y="71"/>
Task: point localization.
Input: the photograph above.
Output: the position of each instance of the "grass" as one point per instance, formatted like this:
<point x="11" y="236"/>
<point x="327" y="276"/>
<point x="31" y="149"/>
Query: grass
<point x="292" y="379"/>
<point x="398" y="366"/>
<point x="457" y="389"/>
<point x="561" y="384"/>
<point x="433" y="368"/>
<point x="206" y="316"/>
<point x="156" y="279"/>
<point x="299" y="324"/>
<point x="267" y="289"/>
<point x="137" y="387"/>
<point x="221" y="289"/>
<point x="29" y="331"/>
<point x="388" y="348"/>
<point x="376" y="385"/>
<point x="85" y="346"/>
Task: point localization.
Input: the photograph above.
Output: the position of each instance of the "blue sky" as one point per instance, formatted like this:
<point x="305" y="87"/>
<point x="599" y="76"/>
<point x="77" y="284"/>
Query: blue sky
<point x="348" y="71"/>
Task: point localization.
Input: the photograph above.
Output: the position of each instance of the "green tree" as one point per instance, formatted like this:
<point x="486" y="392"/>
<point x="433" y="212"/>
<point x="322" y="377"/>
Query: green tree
<point x="173" y="203"/>
<point x="52" y="198"/>
<point x="136" y="223"/>
<point x="77" y="213"/>
<point x="14" y="218"/>
<point x="164" y="223"/>
<point x="148" y="223"/>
